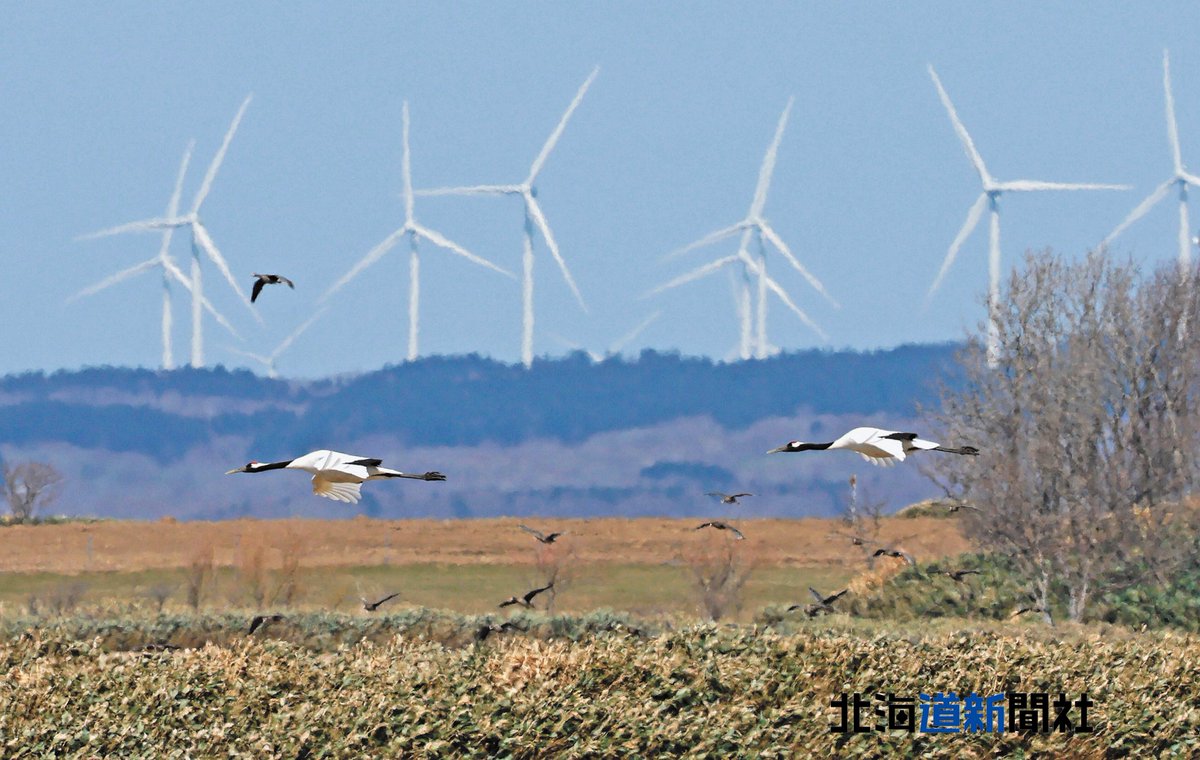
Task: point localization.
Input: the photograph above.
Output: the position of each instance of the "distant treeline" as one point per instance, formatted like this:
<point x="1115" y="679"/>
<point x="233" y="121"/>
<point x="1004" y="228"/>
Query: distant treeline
<point x="458" y="400"/>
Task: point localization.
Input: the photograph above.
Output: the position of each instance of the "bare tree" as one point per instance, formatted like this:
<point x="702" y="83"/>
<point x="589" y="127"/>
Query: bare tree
<point x="720" y="568"/>
<point x="28" y="487"/>
<point x="1087" y="419"/>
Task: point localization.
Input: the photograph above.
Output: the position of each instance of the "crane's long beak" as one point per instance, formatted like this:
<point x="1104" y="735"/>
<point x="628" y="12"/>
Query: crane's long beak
<point x="777" y="450"/>
<point x="239" y="469"/>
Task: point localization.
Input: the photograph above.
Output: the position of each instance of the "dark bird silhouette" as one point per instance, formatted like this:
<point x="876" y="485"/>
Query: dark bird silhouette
<point x="720" y="526"/>
<point x="728" y="498"/>
<point x="159" y="647"/>
<point x="527" y="600"/>
<point x="952" y="508"/>
<point x="855" y="539"/>
<point x="487" y="629"/>
<point x="882" y="552"/>
<point x="958" y="575"/>
<point x="372" y="606"/>
<point x="545" y="538"/>
<point x="823" y="603"/>
<point x="260" y="620"/>
<point x="1022" y="610"/>
<point x="268" y="279"/>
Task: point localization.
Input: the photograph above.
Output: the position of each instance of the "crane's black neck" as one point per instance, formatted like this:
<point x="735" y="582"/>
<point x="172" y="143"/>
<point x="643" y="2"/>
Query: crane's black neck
<point x="268" y="466"/>
<point x="813" y="446"/>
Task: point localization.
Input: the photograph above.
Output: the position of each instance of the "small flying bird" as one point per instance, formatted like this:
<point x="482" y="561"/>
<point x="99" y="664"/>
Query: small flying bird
<point x="882" y="552"/>
<point x="527" y="600"/>
<point x="728" y="498"/>
<point x="956" y="506"/>
<point x="823" y="604"/>
<point x="336" y="475"/>
<point x="855" y="539"/>
<point x="881" y="447"/>
<point x="260" y="620"/>
<point x="372" y="606"/>
<point x="1022" y="610"/>
<point x="545" y="538"/>
<point x="958" y="575"/>
<point x="487" y="629"/>
<point x="720" y="526"/>
<point x="268" y="279"/>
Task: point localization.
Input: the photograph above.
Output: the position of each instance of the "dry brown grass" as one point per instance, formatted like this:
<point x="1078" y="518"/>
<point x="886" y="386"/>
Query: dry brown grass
<point x="136" y="546"/>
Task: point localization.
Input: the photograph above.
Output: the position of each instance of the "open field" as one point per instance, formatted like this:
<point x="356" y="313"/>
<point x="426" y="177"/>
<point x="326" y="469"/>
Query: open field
<point x="641" y="566"/>
<point x="129" y="545"/>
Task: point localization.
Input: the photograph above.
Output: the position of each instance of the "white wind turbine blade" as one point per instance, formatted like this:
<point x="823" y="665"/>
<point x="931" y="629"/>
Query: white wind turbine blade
<point x="145" y="225"/>
<point x="1172" y="125"/>
<point x="473" y="190"/>
<point x="540" y="161"/>
<point x="1026" y="185"/>
<point x="768" y="165"/>
<point x="572" y="346"/>
<point x="783" y="296"/>
<point x="1139" y="211"/>
<point x="769" y="233"/>
<point x="211" y="174"/>
<point x="182" y="279"/>
<point x="630" y="336"/>
<point x="132" y="271"/>
<point x="535" y="212"/>
<point x="972" y="219"/>
<point x="695" y="274"/>
<point x="375" y="254"/>
<point x="708" y="239"/>
<point x="963" y="136"/>
<point x="406" y="169"/>
<point x="287" y="342"/>
<point x="263" y="360"/>
<point x="200" y="233"/>
<point x="1189" y="178"/>
<point x="442" y="241"/>
<point x="173" y="203"/>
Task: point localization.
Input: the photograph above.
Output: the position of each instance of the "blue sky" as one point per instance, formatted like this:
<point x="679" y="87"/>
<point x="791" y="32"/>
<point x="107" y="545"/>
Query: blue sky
<point x="99" y="101"/>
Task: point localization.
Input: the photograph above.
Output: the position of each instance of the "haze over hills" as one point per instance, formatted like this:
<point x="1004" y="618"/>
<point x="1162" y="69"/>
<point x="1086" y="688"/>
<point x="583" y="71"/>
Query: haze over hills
<point x="568" y="437"/>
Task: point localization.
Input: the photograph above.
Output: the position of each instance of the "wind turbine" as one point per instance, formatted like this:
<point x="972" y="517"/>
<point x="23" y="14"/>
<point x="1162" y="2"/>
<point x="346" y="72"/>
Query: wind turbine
<point x="989" y="198"/>
<point x="1181" y="178"/>
<point x="616" y="346"/>
<point x="527" y="191"/>
<point x="415" y="232"/>
<point x="201" y="241"/>
<point x="168" y="269"/>
<point x="269" y="360"/>
<point x="755" y="227"/>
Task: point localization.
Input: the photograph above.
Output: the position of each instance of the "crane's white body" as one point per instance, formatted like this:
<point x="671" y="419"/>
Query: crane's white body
<point x="336" y="475"/>
<point x="877" y="446"/>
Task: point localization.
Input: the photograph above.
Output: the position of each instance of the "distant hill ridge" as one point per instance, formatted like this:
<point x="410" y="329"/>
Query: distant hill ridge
<point x="457" y="400"/>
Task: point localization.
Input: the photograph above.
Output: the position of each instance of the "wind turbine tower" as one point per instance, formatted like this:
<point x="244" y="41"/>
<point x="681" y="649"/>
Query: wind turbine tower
<point x="755" y="227"/>
<point x="989" y="198"/>
<point x="1180" y="178"/>
<point x="270" y="359"/>
<point x="415" y="231"/>
<point x="534" y="217"/>
<point x="201" y="241"/>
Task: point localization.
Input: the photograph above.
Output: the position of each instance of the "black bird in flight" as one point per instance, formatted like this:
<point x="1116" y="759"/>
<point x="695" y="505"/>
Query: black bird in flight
<point x="260" y="620"/>
<point x="728" y="498"/>
<point x="545" y="538"/>
<point x="527" y="600"/>
<point x="1022" y="610"/>
<point x="824" y="603"/>
<point x="958" y="575"/>
<point x="372" y="606"/>
<point x="487" y="629"/>
<point x="268" y="279"/>
<point x="720" y="526"/>
<point x="881" y="552"/>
